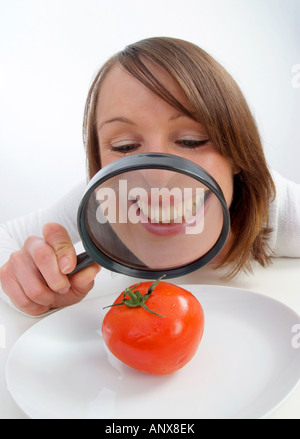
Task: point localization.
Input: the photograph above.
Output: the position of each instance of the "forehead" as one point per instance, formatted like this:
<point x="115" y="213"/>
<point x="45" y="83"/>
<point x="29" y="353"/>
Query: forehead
<point x="120" y="88"/>
<point x="117" y="83"/>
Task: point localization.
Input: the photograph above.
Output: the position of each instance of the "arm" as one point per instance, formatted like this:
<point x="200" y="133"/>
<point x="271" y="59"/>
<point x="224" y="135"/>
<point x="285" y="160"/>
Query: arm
<point x="284" y="218"/>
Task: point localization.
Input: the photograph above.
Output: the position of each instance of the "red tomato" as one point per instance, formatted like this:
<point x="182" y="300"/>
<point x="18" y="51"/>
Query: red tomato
<point x="157" y="344"/>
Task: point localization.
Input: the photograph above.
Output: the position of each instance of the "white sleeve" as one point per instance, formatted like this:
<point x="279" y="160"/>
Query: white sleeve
<point x="284" y="218"/>
<point x="14" y="233"/>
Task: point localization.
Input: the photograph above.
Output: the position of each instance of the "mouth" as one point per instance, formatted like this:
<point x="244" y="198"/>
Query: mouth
<point x="166" y="218"/>
<point x="167" y="213"/>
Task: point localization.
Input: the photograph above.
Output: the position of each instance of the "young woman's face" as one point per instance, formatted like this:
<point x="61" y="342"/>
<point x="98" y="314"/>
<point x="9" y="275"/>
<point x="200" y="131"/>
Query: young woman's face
<point x="132" y="119"/>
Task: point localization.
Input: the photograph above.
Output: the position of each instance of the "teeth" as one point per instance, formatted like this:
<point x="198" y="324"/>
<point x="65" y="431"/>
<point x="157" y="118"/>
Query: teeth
<point x="182" y="211"/>
<point x="188" y="205"/>
<point x="157" y="213"/>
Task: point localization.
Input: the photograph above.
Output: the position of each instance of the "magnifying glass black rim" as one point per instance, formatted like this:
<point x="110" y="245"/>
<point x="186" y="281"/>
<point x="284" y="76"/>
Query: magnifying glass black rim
<point x="151" y="161"/>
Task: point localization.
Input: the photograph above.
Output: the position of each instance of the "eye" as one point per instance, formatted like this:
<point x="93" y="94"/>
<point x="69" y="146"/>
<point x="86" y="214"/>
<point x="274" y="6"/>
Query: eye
<point x="191" y="143"/>
<point x="125" y="149"/>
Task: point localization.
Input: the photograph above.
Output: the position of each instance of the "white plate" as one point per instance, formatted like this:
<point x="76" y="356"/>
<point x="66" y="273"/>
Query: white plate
<point x="245" y="366"/>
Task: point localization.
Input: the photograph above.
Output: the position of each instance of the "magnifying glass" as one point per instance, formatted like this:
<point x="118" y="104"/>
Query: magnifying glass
<point x="152" y="214"/>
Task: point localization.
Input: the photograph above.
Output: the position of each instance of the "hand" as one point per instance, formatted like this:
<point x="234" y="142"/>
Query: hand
<point x="35" y="277"/>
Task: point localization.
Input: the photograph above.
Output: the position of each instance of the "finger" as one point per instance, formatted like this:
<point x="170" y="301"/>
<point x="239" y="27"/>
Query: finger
<point x="23" y="302"/>
<point x="82" y="277"/>
<point x="26" y="273"/>
<point x="33" y="284"/>
<point x="45" y="261"/>
<point x="12" y="288"/>
<point x="81" y="281"/>
<point x="58" y="238"/>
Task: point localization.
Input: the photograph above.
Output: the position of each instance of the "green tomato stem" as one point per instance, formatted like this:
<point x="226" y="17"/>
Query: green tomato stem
<point x="137" y="299"/>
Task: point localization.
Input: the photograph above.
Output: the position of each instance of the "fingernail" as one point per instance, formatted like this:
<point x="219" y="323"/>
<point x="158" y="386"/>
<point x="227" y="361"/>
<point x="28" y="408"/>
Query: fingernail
<point x="64" y="265"/>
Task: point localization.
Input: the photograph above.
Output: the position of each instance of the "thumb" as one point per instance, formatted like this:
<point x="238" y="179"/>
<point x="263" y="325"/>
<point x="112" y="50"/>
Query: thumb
<point x="58" y="238"/>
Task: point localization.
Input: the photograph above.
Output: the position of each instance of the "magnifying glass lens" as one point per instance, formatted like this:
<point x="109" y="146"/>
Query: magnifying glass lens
<point x="154" y="219"/>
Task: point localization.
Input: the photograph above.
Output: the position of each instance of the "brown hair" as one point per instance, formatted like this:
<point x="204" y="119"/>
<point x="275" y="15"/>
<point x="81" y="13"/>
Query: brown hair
<point x="217" y="103"/>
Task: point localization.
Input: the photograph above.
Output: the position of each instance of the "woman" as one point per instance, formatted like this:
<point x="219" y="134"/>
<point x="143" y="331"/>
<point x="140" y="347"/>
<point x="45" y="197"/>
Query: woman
<point x="158" y="95"/>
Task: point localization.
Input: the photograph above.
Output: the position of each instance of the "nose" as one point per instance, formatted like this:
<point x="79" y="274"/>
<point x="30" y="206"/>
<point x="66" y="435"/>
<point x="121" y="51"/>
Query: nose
<point x="156" y="143"/>
<point x="164" y="178"/>
<point x="158" y="178"/>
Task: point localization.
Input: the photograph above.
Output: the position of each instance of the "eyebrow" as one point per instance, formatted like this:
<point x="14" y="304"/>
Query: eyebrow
<point x="178" y="116"/>
<point x="130" y="122"/>
<point x="117" y="119"/>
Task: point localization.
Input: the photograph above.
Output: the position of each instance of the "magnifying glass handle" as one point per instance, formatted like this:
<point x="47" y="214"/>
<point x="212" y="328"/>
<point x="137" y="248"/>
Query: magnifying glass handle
<point x="83" y="261"/>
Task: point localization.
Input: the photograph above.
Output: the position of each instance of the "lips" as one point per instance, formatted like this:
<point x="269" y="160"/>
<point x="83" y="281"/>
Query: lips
<point x="161" y="220"/>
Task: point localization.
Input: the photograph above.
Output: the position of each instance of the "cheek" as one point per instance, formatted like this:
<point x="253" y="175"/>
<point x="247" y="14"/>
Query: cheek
<point x="107" y="157"/>
<point x="224" y="176"/>
<point x="227" y="188"/>
<point x="221" y="169"/>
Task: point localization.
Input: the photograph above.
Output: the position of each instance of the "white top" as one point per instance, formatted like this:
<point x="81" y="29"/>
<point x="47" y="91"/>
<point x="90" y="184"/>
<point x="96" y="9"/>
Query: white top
<point x="284" y="219"/>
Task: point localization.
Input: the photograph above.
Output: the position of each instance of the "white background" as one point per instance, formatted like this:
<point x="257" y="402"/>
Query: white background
<point x="51" y="49"/>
